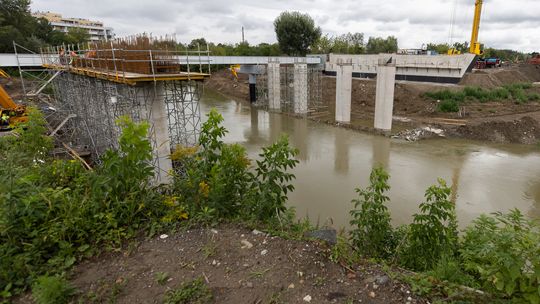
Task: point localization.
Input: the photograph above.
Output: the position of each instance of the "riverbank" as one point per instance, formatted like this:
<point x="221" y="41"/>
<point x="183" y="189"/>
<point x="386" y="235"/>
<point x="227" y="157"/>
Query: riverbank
<point x="237" y="265"/>
<point x="501" y="121"/>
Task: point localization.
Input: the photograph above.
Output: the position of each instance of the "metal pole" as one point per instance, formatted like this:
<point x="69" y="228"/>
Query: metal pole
<point x="208" y="57"/>
<point x="19" y="65"/>
<point x="114" y="61"/>
<point x="199" y="52"/>
<point x="152" y="66"/>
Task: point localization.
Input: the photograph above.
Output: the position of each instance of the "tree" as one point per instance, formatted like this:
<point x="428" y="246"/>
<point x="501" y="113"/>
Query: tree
<point x="378" y="45"/>
<point x="440" y="48"/>
<point x="17" y="24"/>
<point x="296" y="33"/>
<point x="77" y="35"/>
<point x="196" y="43"/>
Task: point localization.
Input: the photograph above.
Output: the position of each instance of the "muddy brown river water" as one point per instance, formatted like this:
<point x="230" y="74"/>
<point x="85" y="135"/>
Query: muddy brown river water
<point x="334" y="161"/>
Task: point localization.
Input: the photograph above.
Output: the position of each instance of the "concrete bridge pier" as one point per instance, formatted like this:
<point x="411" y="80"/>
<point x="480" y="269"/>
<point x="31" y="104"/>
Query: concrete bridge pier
<point x="274" y="86"/>
<point x="343" y="92"/>
<point x="159" y="134"/>
<point x="384" y="96"/>
<point x="300" y="88"/>
<point x="252" y="89"/>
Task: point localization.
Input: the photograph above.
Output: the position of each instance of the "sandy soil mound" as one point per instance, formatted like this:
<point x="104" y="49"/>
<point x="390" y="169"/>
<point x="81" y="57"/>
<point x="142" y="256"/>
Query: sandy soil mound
<point x="525" y="130"/>
<point x="490" y="78"/>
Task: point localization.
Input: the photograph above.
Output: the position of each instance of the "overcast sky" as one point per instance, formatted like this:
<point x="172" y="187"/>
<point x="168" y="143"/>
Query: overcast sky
<point x="513" y="24"/>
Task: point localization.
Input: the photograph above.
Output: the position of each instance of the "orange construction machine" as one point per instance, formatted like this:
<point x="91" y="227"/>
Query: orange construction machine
<point x="11" y="113"/>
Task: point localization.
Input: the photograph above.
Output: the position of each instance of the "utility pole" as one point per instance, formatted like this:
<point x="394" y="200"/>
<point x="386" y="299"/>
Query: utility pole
<point x="242" y="34"/>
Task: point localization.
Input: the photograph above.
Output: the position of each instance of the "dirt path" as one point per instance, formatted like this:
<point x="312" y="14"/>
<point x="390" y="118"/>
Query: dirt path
<point x="239" y="266"/>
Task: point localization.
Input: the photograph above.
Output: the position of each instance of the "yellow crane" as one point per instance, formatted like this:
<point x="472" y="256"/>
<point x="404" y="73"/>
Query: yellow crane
<point x="475" y="47"/>
<point x="10" y="112"/>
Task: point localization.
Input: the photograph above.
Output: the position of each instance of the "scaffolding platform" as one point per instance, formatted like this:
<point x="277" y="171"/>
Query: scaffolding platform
<point x="130" y="78"/>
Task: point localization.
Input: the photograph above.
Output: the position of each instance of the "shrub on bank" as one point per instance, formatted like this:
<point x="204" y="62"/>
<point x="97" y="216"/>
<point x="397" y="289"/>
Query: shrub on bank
<point x="54" y="212"/>
<point x="499" y="253"/>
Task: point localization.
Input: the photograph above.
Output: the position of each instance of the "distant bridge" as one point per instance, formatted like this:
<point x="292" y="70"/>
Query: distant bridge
<point x="34" y="60"/>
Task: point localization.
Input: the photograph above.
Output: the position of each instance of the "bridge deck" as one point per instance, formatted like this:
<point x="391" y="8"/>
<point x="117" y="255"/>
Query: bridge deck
<point x="128" y="77"/>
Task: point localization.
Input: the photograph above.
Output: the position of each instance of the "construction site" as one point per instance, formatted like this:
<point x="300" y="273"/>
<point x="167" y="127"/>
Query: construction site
<point x="143" y="170"/>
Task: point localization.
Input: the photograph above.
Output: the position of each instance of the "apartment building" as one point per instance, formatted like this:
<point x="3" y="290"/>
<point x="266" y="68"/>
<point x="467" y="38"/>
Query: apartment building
<point x="95" y="28"/>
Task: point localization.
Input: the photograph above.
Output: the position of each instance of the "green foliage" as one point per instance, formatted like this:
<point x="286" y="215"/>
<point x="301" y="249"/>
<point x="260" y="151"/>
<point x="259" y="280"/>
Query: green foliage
<point x="433" y="233"/>
<point x="502" y="252"/>
<point x="53" y="212"/>
<point x="451" y="100"/>
<point x="350" y="43"/>
<point x="376" y="45"/>
<point x="215" y="182"/>
<point x="296" y="33"/>
<point x="52" y="290"/>
<point x="272" y="182"/>
<point x="193" y="292"/>
<point x="216" y="176"/>
<point x="17" y="24"/>
<point x="372" y="232"/>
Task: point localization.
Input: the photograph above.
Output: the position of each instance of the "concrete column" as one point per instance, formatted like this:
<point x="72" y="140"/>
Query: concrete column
<point x="384" y="95"/>
<point x="343" y="92"/>
<point x="159" y="119"/>
<point x="274" y="86"/>
<point x="252" y="88"/>
<point x="300" y="88"/>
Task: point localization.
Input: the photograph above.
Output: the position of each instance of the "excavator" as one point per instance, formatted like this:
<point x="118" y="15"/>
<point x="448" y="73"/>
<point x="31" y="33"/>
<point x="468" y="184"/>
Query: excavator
<point x="475" y="47"/>
<point x="11" y="113"/>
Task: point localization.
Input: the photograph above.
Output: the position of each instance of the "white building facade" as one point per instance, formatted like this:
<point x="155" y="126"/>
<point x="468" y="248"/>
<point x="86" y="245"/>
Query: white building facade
<point x="96" y="29"/>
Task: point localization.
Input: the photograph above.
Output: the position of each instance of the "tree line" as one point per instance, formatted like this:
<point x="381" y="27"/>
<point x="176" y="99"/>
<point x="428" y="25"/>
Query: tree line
<point x="17" y="24"/>
<point x="296" y="33"/>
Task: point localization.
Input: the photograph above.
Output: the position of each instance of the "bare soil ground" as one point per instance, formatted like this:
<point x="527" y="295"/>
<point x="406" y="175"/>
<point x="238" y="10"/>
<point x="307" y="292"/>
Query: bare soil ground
<point x="499" y="121"/>
<point x="273" y="270"/>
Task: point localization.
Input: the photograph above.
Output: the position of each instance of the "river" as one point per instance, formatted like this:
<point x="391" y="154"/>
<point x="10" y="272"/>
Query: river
<point x="334" y="161"/>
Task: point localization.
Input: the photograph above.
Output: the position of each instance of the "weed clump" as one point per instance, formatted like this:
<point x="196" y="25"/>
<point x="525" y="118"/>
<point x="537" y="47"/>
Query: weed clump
<point x="52" y="290"/>
<point x="193" y="292"/>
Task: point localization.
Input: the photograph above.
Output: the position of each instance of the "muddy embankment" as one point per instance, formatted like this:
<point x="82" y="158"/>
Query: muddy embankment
<point x="496" y="121"/>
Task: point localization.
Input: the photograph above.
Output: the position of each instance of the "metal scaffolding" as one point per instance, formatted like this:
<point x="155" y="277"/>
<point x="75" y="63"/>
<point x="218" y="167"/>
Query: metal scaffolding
<point x="314" y="88"/>
<point x="138" y="77"/>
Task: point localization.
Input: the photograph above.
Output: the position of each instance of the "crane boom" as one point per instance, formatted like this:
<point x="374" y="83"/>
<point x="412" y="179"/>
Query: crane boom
<point x="475" y="47"/>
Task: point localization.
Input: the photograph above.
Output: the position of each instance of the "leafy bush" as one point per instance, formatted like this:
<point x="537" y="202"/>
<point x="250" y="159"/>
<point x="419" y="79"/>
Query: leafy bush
<point x="272" y="182"/>
<point x="503" y="253"/>
<point x="215" y="181"/>
<point x="372" y="232"/>
<point x="214" y="178"/>
<point x="53" y="212"/>
<point x="51" y="290"/>
<point x="433" y="233"/>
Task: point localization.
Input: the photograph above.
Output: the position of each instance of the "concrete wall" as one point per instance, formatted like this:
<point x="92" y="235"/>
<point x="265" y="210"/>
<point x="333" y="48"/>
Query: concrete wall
<point x="453" y="66"/>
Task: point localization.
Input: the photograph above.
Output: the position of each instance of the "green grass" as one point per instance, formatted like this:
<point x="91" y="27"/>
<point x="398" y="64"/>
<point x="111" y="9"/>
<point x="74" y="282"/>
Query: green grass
<point x="193" y="292"/>
<point x="52" y="290"/>
<point x="451" y="100"/>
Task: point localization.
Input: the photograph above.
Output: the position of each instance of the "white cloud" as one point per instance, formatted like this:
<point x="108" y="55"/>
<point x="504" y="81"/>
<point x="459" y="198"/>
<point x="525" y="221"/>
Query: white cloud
<point x="505" y="24"/>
